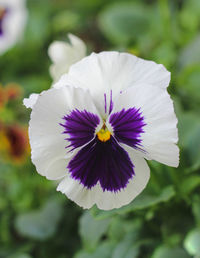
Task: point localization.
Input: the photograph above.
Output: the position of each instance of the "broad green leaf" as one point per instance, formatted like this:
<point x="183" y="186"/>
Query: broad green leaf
<point x="83" y="254"/>
<point x="165" y="54"/>
<point x="19" y="255"/>
<point x="38" y="29"/>
<point x="192" y="242"/>
<point x="35" y="84"/>
<point x="60" y="23"/>
<point x="190" y="15"/>
<point x="123" y="22"/>
<point x="190" y="54"/>
<point x="169" y="252"/>
<point x="144" y="200"/>
<point x="127" y="248"/>
<point x="133" y="252"/>
<point x="196" y="209"/>
<point x="189" y="140"/>
<point x="104" y="250"/>
<point x="188" y="81"/>
<point x="189" y="183"/>
<point x="120" y="227"/>
<point x="92" y="230"/>
<point x="40" y="224"/>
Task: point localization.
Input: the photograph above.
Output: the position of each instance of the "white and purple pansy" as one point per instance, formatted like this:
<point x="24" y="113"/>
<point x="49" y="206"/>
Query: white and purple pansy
<point x="94" y="129"/>
<point x="13" y="16"/>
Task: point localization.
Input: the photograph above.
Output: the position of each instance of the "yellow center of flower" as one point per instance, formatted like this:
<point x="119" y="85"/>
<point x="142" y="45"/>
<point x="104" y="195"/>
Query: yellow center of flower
<point x="104" y="135"/>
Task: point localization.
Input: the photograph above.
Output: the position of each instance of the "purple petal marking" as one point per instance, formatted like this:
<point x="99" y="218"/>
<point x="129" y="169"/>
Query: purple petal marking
<point x="105" y="105"/>
<point x="128" y="126"/>
<point x="111" y="103"/>
<point x="104" y="162"/>
<point x="80" y="127"/>
<point x="1" y="29"/>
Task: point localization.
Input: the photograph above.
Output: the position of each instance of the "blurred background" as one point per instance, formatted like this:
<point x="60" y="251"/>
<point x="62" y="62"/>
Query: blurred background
<point x="164" y="221"/>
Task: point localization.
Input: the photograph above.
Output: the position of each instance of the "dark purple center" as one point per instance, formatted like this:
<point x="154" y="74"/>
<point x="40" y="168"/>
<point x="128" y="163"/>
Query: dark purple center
<point x="3" y="13"/>
<point x="128" y="126"/>
<point x="106" y="163"/>
<point x="103" y="162"/>
<point x="80" y="127"/>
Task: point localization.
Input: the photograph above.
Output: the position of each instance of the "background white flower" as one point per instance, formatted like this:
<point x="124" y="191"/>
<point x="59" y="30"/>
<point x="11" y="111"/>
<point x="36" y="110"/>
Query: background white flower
<point x="13" y="17"/>
<point x="97" y="125"/>
<point x="64" y="54"/>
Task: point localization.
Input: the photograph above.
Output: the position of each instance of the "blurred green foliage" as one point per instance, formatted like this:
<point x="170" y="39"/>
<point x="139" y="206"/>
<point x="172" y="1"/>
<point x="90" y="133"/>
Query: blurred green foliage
<point x="164" y="221"/>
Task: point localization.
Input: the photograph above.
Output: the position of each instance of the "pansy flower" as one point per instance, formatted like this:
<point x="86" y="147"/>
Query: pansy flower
<point x="13" y="16"/>
<point x="64" y="54"/>
<point x="94" y="129"/>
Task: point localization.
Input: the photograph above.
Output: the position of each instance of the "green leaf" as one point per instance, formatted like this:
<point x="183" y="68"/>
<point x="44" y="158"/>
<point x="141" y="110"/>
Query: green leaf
<point x="190" y="54"/>
<point x="92" y="230"/>
<point x="104" y="250"/>
<point x="165" y="54"/>
<point x="60" y="23"/>
<point x="143" y="201"/>
<point x="192" y="242"/>
<point x="190" y="15"/>
<point x="189" y="184"/>
<point x="170" y="252"/>
<point x="189" y="128"/>
<point x="40" y="224"/>
<point x="120" y="227"/>
<point x="83" y="254"/>
<point x="125" y="248"/>
<point x="117" y="229"/>
<point x="196" y="209"/>
<point x="123" y="22"/>
<point x="38" y="22"/>
<point x="188" y="81"/>
<point x="35" y="84"/>
<point x="19" y="255"/>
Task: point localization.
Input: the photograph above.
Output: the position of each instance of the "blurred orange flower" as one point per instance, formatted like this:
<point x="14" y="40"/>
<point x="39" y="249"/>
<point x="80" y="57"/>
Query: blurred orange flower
<point x="10" y="92"/>
<point x="14" y="145"/>
<point x="13" y="91"/>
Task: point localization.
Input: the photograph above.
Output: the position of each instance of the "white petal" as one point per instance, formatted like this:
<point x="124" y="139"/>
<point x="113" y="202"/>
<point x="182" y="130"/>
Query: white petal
<point x="161" y="134"/>
<point x="103" y="199"/>
<point x="78" y="46"/>
<point x="46" y="135"/>
<point x="106" y="71"/>
<point x="57" y="70"/>
<point x="77" y="193"/>
<point x="63" y="55"/>
<point x="58" y="50"/>
<point x="30" y="102"/>
<point x="62" y="82"/>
